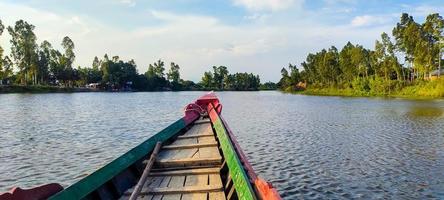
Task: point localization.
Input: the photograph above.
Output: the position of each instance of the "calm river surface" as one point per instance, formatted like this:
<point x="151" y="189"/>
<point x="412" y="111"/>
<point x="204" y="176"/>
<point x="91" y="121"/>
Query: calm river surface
<point x="307" y="146"/>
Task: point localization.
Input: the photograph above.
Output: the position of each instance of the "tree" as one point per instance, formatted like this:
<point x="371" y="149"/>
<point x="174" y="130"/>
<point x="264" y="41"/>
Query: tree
<point x="433" y="31"/>
<point x="5" y="69"/>
<point x="2" y="76"/>
<point x="56" y="67"/>
<point x="285" y="79"/>
<point x="68" y="57"/>
<point x="174" y="74"/>
<point x="96" y="63"/>
<point x="207" y="80"/>
<point x="24" y="50"/>
<point x="68" y="45"/>
<point x="156" y="77"/>
<point x="120" y="74"/>
<point x="349" y="70"/>
<point x="159" y="68"/>
<point x="219" y="74"/>
<point x="407" y="34"/>
<point x="44" y="59"/>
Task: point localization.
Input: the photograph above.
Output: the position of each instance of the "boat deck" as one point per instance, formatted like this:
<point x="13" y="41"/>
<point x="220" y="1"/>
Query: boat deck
<point x="188" y="168"/>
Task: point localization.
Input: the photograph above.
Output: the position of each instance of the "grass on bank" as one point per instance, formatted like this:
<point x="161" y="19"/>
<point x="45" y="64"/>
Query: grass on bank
<point x="38" y="89"/>
<point x="380" y="88"/>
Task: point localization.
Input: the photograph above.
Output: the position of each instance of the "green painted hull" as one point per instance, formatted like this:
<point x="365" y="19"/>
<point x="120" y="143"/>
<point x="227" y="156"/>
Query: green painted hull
<point x="92" y="182"/>
<point x="112" y="180"/>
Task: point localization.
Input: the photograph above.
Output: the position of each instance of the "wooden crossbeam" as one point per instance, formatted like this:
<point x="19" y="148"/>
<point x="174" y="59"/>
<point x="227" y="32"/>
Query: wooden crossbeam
<point x="191" y="161"/>
<point x="182" y="168"/>
<point x="179" y="190"/>
<point x="190" y="146"/>
<point x="202" y="121"/>
<point x="194" y="136"/>
<point x="146" y="172"/>
<point x="214" y="170"/>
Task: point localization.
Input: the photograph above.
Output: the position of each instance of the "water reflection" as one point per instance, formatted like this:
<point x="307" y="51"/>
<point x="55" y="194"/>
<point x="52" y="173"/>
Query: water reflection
<point x="308" y="147"/>
<point x="432" y="110"/>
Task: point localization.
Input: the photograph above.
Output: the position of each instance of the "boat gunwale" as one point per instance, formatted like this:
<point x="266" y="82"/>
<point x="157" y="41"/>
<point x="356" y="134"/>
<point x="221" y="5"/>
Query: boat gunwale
<point x="93" y="181"/>
<point x="236" y="170"/>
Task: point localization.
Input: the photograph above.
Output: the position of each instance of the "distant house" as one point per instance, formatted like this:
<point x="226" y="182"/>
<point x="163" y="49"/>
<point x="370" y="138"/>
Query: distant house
<point x="434" y="74"/>
<point x="93" y="85"/>
<point x="5" y="82"/>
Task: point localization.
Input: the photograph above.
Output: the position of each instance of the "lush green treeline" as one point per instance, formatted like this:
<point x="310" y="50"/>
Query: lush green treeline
<point x="355" y="70"/>
<point x="220" y="79"/>
<point x="30" y="64"/>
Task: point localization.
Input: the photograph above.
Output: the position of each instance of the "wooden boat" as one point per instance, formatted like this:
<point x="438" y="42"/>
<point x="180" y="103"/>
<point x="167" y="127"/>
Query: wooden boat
<point x="199" y="158"/>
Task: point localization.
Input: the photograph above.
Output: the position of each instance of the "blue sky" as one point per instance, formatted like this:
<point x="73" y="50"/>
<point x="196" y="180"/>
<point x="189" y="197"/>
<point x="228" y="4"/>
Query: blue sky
<point x="259" y="36"/>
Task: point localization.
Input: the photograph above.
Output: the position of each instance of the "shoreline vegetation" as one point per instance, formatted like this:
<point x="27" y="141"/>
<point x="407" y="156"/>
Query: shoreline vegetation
<point x="424" y="90"/>
<point x="407" y="65"/>
<point x="41" y="68"/>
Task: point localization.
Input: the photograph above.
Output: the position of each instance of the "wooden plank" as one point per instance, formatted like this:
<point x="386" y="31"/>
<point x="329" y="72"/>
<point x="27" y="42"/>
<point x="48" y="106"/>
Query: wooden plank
<point x="187" y="189"/>
<point x="202" y="121"/>
<point x="176" y="182"/>
<point x="199" y="129"/>
<point x="93" y="181"/>
<point x="209" y="152"/>
<point x="206" y="140"/>
<point x="174" y="154"/>
<point x="184" y="153"/>
<point x="216" y="196"/>
<point x="190" y="146"/>
<point x="179" y="168"/>
<point x="214" y="179"/>
<point x="194" y="136"/>
<point x="157" y="197"/>
<point x="214" y="170"/>
<point x="193" y="130"/>
<point x="205" y="129"/>
<point x="153" y="182"/>
<point x="165" y="182"/>
<point x="185" y="141"/>
<point x="195" y="180"/>
<point x="192" y="161"/>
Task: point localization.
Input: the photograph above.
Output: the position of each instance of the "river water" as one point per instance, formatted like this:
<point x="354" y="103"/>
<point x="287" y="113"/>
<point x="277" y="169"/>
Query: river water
<point x="307" y="146"/>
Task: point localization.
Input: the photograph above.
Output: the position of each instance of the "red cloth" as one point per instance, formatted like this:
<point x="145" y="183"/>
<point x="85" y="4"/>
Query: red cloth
<point x="37" y="193"/>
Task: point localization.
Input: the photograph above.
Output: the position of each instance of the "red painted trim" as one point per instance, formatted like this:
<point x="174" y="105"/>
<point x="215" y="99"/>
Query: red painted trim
<point x="37" y="193"/>
<point x="264" y="189"/>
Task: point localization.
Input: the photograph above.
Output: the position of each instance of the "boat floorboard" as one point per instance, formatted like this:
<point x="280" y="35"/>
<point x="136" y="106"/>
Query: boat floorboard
<point x="188" y="168"/>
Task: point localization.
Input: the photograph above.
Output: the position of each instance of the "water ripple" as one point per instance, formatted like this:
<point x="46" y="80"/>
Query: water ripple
<point x="308" y="147"/>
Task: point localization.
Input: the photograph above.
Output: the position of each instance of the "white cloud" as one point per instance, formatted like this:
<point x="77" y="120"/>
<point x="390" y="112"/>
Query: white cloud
<point x="129" y="3"/>
<point x="193" y="41"/>
<point x="267" y="5"/>
<point x="425" y="10"/>
<point x="370" y="20"/>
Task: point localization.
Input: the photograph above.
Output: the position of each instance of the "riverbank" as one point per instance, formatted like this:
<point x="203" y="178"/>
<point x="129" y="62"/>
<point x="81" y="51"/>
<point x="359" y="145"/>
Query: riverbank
<point x="4" y="89"/>
<point x="418" y="90"/>
<point x="41" y="89"/>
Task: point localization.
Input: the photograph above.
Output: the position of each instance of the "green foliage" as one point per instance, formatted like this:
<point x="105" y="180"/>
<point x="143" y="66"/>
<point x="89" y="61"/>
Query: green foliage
<point x="356" y="71"/>
<point x="44" y="65"/>
<point x="427" y="89"/>
<point x="24" y="50"/>
<point x="174" y="74"/>
<point x="220" y="79"/>
<point x="289" y="79"/>
<point x="268" y="86"/>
